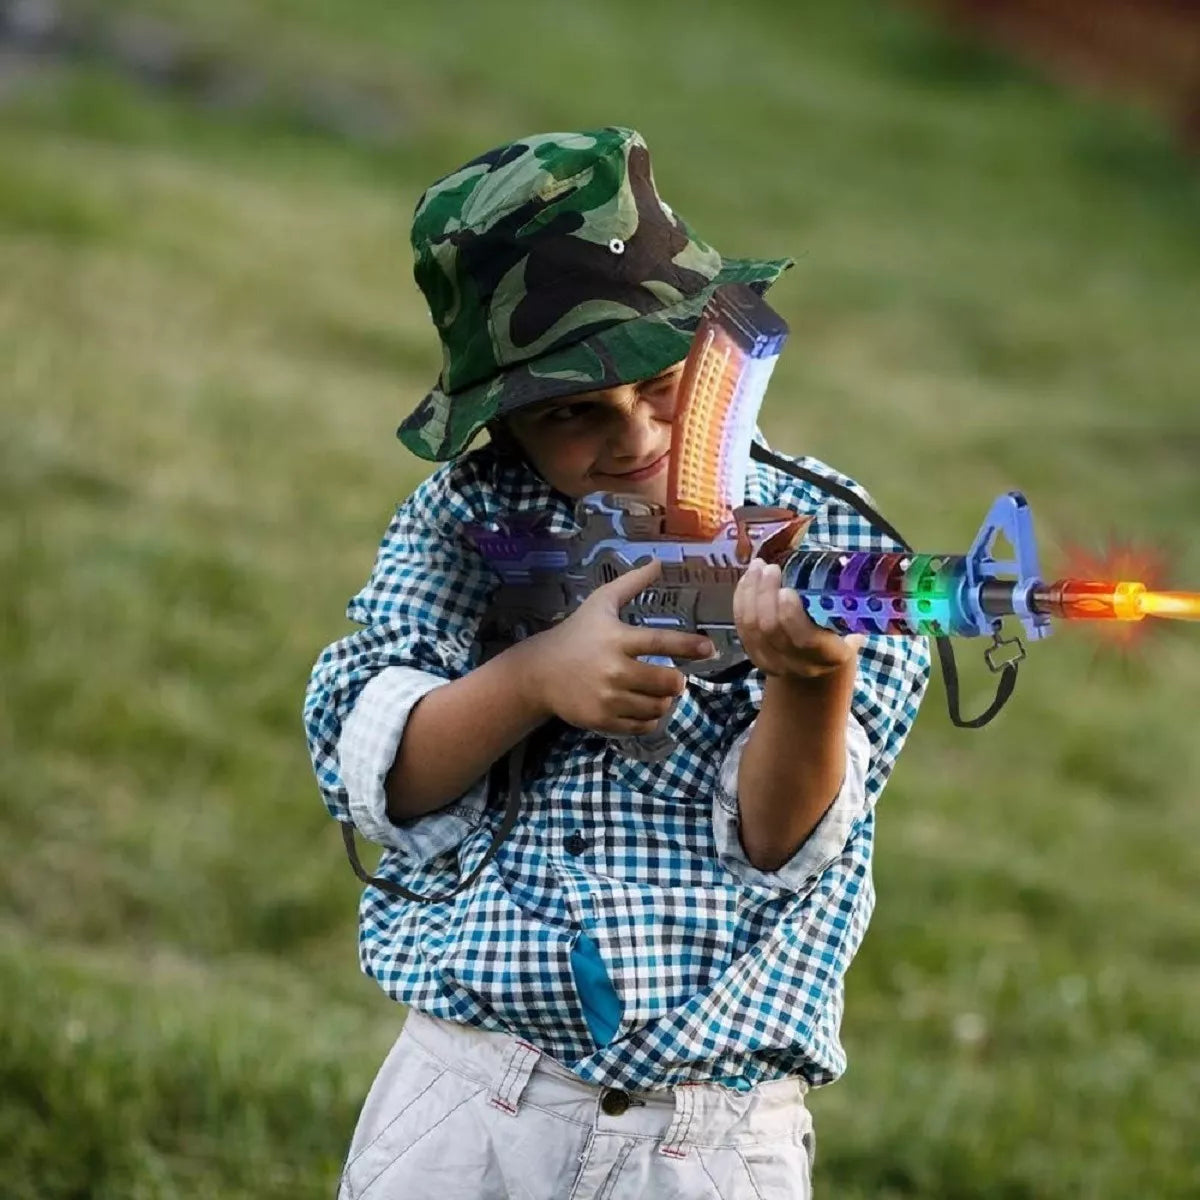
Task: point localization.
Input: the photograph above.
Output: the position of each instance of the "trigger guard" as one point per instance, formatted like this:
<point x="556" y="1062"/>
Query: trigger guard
<point x="656" y="745"/>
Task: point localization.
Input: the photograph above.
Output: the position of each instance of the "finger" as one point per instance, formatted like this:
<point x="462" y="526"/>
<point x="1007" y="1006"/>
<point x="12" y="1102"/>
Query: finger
<point x="646" y="679"/>
<point x="767" y="602"/>
<point x="633" y="706"/>
<point x="806" y="634"/>
<point x="801" y="628"/>
<point x="672" y="643"/>
<point x="744" y="597"/>
<point x="627" y="728"/>
<point x="630" y="583"/>
<point x="794" y="618"/>
<point x="615" y="726"/>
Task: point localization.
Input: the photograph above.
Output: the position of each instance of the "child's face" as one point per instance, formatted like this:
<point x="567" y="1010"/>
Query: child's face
<point x="589" y="441"/>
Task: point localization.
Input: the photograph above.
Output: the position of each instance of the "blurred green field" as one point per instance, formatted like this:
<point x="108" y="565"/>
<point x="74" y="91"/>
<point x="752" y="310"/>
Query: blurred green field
<point x="209" y="330"/>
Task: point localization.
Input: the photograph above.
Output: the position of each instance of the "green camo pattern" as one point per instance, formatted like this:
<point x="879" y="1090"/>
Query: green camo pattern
<point x="550" y="266"/>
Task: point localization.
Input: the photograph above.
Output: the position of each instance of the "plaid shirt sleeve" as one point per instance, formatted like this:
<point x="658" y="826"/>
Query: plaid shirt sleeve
<point x="420" y="612"/>
<point x="826" y="841"/>
<point x="371" y="735"/>
<point x="893" y="674"/>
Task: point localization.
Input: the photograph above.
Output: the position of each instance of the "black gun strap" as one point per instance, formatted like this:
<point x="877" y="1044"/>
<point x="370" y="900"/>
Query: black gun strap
<point x="516" y="762"/>
<point x="945" y="648"/>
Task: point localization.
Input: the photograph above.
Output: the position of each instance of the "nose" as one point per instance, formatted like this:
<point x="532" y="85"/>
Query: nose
<point x="637" y="436"/>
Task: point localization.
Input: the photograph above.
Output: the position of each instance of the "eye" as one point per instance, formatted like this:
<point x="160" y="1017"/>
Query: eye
<point x="668" y="383"/>
<point x="569" y="411"/>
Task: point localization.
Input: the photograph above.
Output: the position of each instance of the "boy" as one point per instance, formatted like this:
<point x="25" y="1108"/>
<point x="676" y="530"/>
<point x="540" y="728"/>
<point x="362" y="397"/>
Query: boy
<point x="636" y="993"/>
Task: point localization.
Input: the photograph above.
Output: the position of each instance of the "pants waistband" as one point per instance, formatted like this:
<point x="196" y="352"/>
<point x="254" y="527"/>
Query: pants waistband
<point x="516" y="1072"/>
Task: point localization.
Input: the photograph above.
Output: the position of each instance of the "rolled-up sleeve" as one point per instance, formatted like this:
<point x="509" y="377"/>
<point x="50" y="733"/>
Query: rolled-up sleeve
<point x="827" y="839"/>
<point x="367" y="748"/>
<point x="420" y="611"/>
<point x="890" y="682"/>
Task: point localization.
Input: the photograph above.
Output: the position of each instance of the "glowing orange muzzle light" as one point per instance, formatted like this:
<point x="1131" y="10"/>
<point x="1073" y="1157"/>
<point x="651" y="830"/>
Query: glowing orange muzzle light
<point x="1092" y="600"/>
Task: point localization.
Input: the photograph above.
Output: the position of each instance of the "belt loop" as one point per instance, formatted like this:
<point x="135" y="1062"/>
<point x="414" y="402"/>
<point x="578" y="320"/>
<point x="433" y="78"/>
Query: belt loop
<point x="674" y="1142"/>
<point x="519" y="1061"/>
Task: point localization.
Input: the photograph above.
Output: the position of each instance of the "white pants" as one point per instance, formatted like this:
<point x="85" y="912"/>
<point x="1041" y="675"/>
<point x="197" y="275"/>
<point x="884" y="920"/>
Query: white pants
<point x="459" y="1113"/>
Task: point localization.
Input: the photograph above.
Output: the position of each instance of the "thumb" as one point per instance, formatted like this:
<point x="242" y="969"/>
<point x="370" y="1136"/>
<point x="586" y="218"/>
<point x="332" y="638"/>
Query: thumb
<point x="857" y="640"/>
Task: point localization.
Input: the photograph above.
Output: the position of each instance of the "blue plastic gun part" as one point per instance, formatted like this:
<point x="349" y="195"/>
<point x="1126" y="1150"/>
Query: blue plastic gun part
<point x="1010" y="514"/>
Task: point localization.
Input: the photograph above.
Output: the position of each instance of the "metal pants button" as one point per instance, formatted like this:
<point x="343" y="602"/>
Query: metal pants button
<point x="614" y="1101"/>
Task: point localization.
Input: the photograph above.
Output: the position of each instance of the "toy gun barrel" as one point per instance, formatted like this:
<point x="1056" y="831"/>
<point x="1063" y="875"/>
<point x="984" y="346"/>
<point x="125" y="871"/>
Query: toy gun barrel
<point x="1086" y="599"/>
<point x="932" y="594"/>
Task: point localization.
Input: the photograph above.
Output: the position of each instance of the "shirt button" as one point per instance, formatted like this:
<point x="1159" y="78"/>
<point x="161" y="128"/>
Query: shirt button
<point x="614" y="1101"/>
<point x="575" y="843"/>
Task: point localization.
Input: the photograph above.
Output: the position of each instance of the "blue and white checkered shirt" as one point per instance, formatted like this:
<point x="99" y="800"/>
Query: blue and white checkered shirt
<point x="723" y="972"/>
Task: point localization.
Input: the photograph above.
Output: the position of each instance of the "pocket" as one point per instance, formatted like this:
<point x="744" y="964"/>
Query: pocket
<point x="597" y="997"/>
<point x="448" y="1143"/>
<point x="508" y="959"/>
<point x="661" y="945"/>
<point x="414" y="1100"/>
<point x="783" y="1167"/>
<point x="779" y="1169"/>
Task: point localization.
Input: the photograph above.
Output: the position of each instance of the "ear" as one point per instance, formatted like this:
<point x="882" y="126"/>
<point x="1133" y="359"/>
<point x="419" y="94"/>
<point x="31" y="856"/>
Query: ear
<point x="502" y="438"/>
<point x="498" y="432"/>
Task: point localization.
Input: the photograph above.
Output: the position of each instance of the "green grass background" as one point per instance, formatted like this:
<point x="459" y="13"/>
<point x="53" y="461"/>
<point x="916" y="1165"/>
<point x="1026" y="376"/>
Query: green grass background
<point x="209" y="330"/>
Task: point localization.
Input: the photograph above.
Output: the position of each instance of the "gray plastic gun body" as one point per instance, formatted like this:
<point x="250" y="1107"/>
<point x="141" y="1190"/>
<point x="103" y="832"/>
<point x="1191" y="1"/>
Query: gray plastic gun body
<point x="545" y="577"/>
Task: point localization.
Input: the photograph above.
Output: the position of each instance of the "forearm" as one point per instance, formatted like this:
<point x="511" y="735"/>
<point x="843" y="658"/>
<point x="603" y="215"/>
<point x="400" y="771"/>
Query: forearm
<point x="456" y="732"/>
<point x="793" y="764"/>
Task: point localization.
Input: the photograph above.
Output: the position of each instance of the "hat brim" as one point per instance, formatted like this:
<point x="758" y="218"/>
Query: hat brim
<point x="443" y="425"/>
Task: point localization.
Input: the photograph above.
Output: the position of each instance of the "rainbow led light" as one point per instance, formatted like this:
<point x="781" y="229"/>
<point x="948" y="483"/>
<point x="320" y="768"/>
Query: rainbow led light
<point x="725" y="375"/>
<point x="932" y="595"/>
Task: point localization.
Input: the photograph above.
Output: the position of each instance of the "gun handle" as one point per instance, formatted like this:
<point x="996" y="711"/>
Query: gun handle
<point x="657" y="744"/>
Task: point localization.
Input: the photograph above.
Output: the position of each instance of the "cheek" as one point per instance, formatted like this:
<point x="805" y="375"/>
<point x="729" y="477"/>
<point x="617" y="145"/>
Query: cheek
<point x="576" y="459"/>
<point x="569" y="452"/>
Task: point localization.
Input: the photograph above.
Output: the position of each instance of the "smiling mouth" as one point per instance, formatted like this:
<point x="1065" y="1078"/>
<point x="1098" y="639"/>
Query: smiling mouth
<point x="639" y="470"/>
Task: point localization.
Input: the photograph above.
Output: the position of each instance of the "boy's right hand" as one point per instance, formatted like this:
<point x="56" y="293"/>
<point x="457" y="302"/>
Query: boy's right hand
<point x="586" y="670"/>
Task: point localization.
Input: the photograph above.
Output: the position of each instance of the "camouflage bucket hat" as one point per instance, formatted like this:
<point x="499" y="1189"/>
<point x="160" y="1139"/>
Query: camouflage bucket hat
<point x="550" y="266"/>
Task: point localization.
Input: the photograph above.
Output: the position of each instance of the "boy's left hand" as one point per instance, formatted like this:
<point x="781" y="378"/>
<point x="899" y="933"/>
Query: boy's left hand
<point x="776" y="633"/>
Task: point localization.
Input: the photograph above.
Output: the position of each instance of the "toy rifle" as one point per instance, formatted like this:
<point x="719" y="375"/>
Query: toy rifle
<point x="706" y="539"/>
<point x="705" y="544"/>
